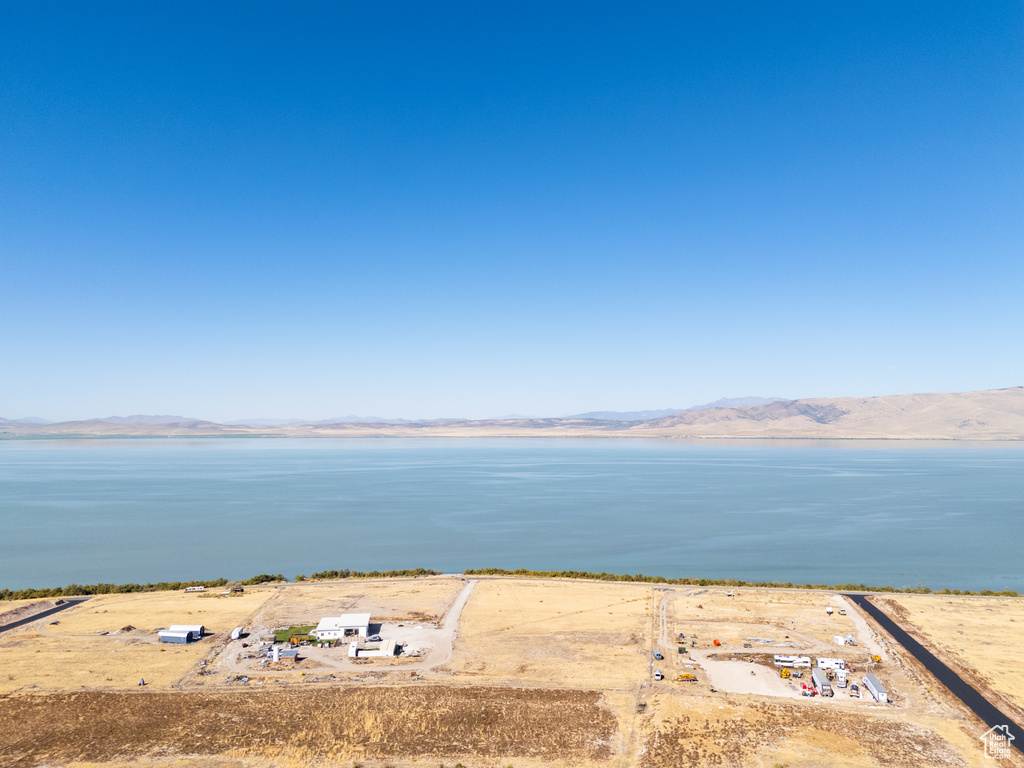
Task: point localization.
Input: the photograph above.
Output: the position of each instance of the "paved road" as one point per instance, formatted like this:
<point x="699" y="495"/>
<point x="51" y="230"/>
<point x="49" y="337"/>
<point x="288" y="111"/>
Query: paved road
<point x="70" y="603"/>
<point x="964" y="691"/>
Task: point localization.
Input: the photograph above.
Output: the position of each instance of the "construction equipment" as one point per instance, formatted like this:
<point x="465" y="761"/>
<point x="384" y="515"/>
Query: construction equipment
<point x="784" y="673"/>
<point x="877" y="659"/>
<point x="717" y="643"/>
<point x="686" y="678"/>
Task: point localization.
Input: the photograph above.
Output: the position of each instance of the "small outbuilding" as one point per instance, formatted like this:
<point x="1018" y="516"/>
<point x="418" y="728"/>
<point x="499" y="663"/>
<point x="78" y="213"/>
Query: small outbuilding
<point x="171" y="636"/>
<point x="386" y="648"/>
<point x="346" y="625"/>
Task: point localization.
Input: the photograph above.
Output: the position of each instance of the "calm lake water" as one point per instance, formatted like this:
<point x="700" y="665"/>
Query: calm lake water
<point x="937" y="514"/>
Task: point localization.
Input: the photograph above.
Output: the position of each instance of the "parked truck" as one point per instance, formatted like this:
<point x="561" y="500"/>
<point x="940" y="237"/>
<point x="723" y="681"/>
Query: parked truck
<point x="821" y="683"/>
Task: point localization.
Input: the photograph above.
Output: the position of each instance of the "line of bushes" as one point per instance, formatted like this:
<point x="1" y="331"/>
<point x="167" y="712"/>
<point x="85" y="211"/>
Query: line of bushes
<point x="347" y="574"/>
<point x="640" y="578"/>
<point x="263" y="578"/>
<point x="75" y="590"/>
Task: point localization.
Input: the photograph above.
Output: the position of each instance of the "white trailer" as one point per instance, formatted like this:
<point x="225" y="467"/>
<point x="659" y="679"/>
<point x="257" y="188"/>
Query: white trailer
<point x="875" y="688"/>
<point x="838" y="639"/>
<point x="793" y="662"/>
<point x="821" y="683"/>
<point x="831" y="664"/>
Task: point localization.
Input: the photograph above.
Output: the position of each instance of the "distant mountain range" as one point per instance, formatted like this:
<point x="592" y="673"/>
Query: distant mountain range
<point x="141" y="419"/>
<point x="294" y="422"/>
<point x="733" y="402"/>
<point x="996" y="414"/>
<point x="625" y="415"/>
<point x="725" y="402"/>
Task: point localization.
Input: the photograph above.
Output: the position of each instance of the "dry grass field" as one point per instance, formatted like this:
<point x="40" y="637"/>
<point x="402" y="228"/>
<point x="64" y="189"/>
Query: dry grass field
<point x="543" y="673"/>
<point x="73" y="655"/>
<point x="480" y="726"/>
<point x="752" y="732"/>
<point x="419" y="600"/>
<point x="561" y="633"/>
<point x="983" y="636"/>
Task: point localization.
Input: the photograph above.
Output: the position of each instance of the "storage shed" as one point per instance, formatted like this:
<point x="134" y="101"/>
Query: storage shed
<point x="170" y="636"/>
<point x="346" y="625"/>
<point x="386" y="648"/>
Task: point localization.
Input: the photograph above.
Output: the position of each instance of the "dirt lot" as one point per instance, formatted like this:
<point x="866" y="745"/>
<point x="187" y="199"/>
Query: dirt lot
<point x="981" y="636"/>
<point x="72" y="654"/>
<point x="712" y="614"/>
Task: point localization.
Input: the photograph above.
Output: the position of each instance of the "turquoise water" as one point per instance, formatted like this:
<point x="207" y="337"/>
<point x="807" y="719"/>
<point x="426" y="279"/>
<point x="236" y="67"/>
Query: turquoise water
<point x="937" y="514"/>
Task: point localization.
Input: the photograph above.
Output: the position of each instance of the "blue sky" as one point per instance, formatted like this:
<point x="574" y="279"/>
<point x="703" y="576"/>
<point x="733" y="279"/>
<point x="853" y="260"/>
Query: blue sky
<point x="431" y="210"/>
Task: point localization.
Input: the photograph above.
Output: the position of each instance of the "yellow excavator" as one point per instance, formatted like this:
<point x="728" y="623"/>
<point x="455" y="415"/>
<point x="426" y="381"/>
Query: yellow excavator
<point x="686" y="677"/>
<point x="877" y="659"/>
<point x="784" y="673"/>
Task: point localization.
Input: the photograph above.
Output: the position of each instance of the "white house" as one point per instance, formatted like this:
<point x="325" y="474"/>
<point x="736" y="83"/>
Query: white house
<point x="346" y="625"/>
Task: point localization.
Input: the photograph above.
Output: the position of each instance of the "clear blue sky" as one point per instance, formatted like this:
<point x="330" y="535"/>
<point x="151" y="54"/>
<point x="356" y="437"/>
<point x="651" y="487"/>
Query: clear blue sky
<point x="428" y="209"/>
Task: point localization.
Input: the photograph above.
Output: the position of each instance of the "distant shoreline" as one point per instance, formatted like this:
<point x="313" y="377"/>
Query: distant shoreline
<point x="577" y="436"/>
<point x="988" y="415"/>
